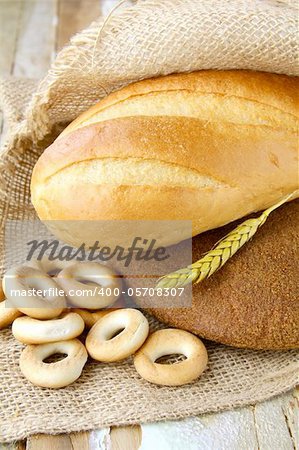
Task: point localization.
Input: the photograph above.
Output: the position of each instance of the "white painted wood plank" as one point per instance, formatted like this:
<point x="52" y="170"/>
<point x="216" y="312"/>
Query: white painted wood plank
<point x="272" y="432"/>
<point x="100" y="439"/>
<point x="47" y="442"/>
<point x="290" y="408"/>
<point x="276" y="425"/>
<point x="1" y="127"/>
<point x="10" y="12"/>
<point x="271" y="427"/>
<point x="125" y="437"/>
<point x="107" y="6"/>
<point x="233" y="430"/>
<point x="36" y="39"/>
<point x="74" y="16"/>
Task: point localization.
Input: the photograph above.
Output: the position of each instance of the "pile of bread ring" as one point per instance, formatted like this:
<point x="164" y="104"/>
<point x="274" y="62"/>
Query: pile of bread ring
<point x="48" y="326"/>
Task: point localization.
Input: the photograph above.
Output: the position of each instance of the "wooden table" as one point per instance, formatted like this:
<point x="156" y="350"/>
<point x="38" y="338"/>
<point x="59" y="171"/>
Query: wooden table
<point x="31" y="33"/>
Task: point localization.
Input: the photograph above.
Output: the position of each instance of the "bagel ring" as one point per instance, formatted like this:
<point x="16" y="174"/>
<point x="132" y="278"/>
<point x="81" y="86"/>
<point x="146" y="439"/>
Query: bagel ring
<point x="91" y="317"/>
<point x="34" y="331"/>
<point x="167" y="342"/>
<point x="23" y="279"/>
<point x="102" y="346"/>
<point x="7" y="314"/>
<point x="53" y="375"/>
<point x="2" y="295"/>
<point x="52" y="268"/>
<point x="95" y="273"/>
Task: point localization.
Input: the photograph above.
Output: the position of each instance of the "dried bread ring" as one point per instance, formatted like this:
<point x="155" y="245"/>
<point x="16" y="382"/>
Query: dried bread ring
<point x="52" y="268"/>
<point x="7" y="314"/>
<point x="57" y="374"/>
<point x="101" y="342"/>
<point x="23" y="279"/>
<point x="95" y="273"/>
<point x="168" y="342"/>
<point x="33" y="331"/>
<point x="2" y="295"/>
<point x="91" y="317"/>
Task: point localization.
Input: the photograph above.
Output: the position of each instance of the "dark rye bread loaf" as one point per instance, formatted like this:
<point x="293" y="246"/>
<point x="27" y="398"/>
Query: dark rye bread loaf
<point x="253" y="301"/>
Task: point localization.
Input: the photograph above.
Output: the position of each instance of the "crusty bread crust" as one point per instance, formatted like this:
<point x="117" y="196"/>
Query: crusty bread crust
<point x="209" y="147"/>
<point x="219" y="93"/>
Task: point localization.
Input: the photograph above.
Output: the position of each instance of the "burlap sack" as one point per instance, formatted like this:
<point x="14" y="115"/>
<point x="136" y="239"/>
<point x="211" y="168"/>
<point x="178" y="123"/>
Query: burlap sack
<point x="150" y="38"/>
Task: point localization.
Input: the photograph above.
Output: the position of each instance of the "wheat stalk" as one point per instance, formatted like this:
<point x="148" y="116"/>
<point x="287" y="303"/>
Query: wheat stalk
<point x="220" y="254"/>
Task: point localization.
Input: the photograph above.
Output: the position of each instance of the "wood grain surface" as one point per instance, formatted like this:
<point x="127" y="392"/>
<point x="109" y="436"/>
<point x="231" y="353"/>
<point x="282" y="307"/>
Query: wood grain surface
<point x="31" y="33"/>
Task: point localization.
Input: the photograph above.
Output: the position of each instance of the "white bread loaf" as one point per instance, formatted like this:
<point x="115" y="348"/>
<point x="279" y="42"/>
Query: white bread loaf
<point x="209" y="146"/>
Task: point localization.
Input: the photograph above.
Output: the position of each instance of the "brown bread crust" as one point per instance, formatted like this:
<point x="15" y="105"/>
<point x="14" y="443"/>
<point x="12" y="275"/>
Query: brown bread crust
<point x="253" y="301"/>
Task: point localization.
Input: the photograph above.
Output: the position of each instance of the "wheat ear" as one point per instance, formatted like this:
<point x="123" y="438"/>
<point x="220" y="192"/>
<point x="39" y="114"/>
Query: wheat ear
<point x="220" y="254"/>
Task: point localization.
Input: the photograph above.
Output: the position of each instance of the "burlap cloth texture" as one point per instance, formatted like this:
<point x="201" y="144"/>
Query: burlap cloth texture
<point x="148" y="39"/>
